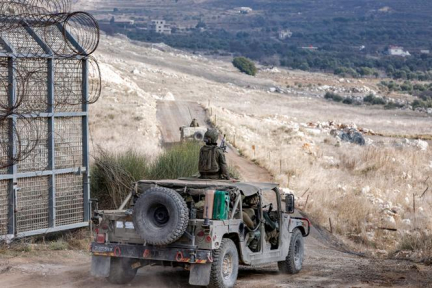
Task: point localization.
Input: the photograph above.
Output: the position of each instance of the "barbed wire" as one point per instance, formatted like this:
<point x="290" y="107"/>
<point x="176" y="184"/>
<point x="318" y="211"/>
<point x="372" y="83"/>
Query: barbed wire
<point x="38" y="30"/>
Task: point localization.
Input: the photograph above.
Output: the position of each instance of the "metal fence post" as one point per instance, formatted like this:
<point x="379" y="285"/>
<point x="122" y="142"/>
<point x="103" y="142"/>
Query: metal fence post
<point x="51" y="145"/>
<point x="85" y="135"/>
<point x="12" y="149"/>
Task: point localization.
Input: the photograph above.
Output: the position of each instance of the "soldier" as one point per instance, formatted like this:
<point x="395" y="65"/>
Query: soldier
<point x="212" y="163"/>
<point x="249" y="211"/>
<point x="194" y="123"/>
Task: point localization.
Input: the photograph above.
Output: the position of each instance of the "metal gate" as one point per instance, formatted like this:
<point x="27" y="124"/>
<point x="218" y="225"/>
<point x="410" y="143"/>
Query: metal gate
<point x="45" y="91"/>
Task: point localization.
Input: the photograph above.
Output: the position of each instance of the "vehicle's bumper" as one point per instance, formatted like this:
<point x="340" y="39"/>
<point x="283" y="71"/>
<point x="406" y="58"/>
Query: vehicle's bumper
<point x="152" y="253"/>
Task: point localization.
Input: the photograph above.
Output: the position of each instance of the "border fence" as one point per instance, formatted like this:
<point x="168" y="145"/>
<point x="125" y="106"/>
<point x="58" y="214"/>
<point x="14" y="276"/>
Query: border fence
<point x="47" y="81"/>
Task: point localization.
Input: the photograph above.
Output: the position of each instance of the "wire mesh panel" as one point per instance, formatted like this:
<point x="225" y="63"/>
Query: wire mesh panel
<point x="47" y="79"/>
<point x="32" y="204"/>
<point x="3" y="206"/>
<point x="69" y="199"/>
<point x="32" y="85"/>
<point x="32" y="135"/>
<point x="68" y="84"/>
<point x="53" y="36"/>
<point x="68" y="142"/>
<point x="22" y="42"/>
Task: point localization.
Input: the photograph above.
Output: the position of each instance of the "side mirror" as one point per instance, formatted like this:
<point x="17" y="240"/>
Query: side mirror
<point x="289" y="203"/>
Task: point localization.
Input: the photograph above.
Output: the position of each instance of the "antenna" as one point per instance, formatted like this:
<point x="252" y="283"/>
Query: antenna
<point x="190" y="114"/>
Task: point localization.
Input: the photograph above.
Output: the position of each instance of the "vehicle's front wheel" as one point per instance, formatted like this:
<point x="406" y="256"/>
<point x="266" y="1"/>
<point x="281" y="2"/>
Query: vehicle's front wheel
<point x="294" y="261"/>
<point x="225" y="264"/>
<point x="121" y="271"/>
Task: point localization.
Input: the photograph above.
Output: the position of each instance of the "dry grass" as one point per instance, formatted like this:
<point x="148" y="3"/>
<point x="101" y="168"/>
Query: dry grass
<point x="78" y="239"/>
<point x="356" y="187"/>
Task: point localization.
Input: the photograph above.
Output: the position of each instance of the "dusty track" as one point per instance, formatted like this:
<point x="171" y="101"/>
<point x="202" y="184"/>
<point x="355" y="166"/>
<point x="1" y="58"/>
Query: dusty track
<point x="325" y="265"/>
<point x="173" y="114"/>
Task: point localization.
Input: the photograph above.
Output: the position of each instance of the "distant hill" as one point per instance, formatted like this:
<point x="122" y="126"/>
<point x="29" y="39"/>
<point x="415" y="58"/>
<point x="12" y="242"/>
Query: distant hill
<point x="316" y="34"/>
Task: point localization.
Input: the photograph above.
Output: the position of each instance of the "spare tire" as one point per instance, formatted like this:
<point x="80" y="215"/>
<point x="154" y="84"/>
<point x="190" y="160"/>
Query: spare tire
<point x="160" y="216"/>
<point x="198" y="136"/>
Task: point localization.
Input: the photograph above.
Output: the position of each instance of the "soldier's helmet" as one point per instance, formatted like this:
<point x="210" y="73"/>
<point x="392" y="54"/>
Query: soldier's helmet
<point x="211" y="136"/>
<point x="252" y="201"/>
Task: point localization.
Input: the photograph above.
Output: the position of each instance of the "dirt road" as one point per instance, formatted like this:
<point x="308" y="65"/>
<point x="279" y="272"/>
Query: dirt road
<point x="325" y="265"/>
<point x="173" y="114"/>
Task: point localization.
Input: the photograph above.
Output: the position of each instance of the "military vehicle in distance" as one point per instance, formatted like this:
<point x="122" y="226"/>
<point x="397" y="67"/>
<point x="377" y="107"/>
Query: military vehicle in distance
<point x="192" y="133"/>
<point x="199" y="225"/>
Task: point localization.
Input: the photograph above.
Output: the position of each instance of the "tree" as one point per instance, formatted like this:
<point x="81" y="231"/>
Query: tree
<point x="245" y="65"/>
<point x="201" y="24"/>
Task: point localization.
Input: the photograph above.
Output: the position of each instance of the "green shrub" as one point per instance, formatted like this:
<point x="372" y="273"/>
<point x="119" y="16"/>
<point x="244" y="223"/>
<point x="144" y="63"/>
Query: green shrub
<point x="245" y="65"/>
<point x="348" y="101"/>
<point x="378" y="101"/>
<point x="335" y="97"/>
<point x="392" y="105"/>
<point x="372" y="99"/>
<point x="421" y="104"/>
<point x="329" y="95"/>
<point x="369" y="98"/>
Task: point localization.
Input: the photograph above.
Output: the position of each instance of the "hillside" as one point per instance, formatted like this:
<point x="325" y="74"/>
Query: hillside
<point x="343" y="37"/>
<point x="293" y="134"/>
<point x="375" y="196"/>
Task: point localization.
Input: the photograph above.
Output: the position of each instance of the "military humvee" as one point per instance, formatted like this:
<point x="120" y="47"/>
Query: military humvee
<point x="199" y="225"/>
<point x="192" y="133"/>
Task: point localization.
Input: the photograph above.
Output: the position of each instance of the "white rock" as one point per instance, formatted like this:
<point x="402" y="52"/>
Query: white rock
<point x="169" y="97"/>
<point x="365" y="190"/>
<point x="422" y="145"/>
<point x="406" y="222"/>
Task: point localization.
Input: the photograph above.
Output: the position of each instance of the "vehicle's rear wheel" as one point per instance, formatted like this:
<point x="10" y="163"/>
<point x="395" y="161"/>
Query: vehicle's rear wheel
<point x="160" y="216"/>
<point x="224" y="268"/>
<point x="121" y="271"/>
<point x="198" y="136"/>
<point x="294" y="261"/>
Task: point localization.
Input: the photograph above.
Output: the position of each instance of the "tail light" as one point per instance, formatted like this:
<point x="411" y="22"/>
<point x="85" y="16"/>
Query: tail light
<point x="100" y="238"/>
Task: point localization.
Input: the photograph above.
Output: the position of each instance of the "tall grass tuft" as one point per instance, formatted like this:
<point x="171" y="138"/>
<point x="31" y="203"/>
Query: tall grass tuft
<point x="179" y="161"/>
<point x="113" y="174"/>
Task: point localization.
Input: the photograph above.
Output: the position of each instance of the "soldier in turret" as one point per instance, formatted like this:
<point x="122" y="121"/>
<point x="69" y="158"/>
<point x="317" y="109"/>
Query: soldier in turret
<point x="212" y="162"/>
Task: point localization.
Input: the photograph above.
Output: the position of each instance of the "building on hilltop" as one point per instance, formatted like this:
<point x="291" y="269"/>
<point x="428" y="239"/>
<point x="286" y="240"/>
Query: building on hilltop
<point x="245" y="10"/>
<point x="397" y="51"/>
<point x="283" y="34"/>
<point x="160" y="26"/>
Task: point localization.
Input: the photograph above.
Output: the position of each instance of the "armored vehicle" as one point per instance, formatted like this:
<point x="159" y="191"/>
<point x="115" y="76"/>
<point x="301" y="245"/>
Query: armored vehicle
<point x="192" y="133"/>
<point x="209" y="227"/>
